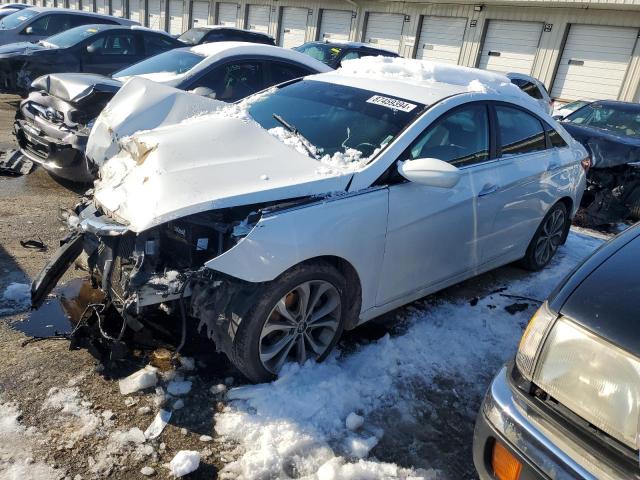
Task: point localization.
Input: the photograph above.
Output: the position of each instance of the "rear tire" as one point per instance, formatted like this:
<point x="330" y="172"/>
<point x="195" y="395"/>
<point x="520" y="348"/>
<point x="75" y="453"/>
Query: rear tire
<point x="298" y="316"/>
<point x="548" y="237"/>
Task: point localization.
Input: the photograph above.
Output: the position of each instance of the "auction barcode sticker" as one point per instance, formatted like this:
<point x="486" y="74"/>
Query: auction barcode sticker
<point x="393" y="103"/>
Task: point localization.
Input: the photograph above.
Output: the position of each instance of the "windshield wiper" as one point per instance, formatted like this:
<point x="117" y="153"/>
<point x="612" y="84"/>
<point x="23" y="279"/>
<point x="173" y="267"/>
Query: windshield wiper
<point x="309" y="147"/>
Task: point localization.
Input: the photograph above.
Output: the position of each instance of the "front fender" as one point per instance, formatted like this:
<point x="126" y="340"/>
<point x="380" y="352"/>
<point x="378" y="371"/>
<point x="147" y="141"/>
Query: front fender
<point x="352" y="227"/>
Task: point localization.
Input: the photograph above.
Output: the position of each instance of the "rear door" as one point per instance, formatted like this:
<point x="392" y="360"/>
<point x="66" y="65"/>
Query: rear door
<point x="111" y="51"/>
<point x="510" y="46"/>
<point x="200" y="14"/>
<point x="335" y="24"/>
<point x="293" y="26"/>
<point x="384" y="30"/>
<point x="440" y="39"/>
<point x="258" y="18"/>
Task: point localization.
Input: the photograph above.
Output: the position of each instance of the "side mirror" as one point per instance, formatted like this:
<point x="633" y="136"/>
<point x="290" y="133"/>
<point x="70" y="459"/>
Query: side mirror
<point x="431" y="172"/>
<point x="28" y="31"/>
<point x="204" y="92"/>
<point x="91" y="48"/>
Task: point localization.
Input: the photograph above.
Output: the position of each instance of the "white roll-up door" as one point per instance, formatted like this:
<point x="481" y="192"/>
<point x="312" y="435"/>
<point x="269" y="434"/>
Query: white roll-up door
<point x="101" y="6"/>
<point x="335" y="24"/>
<point x="176" y="13"/>
<point x="49" y="3"/>
<point x="293" y="26"/>
<point x="594" y="62"/>
<point x="134" y="10"/>
<point x="200" y="14"/>
<point x="258" y="17"/>
<point x="155" y="14"/>
<point x="87" y="5"/>
<point x="384" y="30"/>
<point x="117" y="8"/>
<point x="510" y="46"/>
<point x="441" y="38"/>
<point x="73" y="4"/>
<point x="227" y="14"/>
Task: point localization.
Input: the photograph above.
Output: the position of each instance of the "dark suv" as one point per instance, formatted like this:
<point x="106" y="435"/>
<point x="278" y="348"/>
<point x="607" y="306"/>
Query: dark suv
<point x="333" y="53"/>
<point x="568" y="406"/>
<point x="198" y="35"/>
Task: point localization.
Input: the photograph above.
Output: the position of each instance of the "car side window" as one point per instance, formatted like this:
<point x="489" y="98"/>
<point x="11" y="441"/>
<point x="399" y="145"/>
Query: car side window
<point x="233" y="81"/>
<point x="51" y="24"/>
<point x="215" y="36"/>
<point x="121" y="43"/>
<point x="282" y="72"/>
<point x="154" y="44"/>
<point x="350" y="56"/>
<point x="519" y="132"/>
<point x="555" y="138"/>
<point x="460" y="137"/>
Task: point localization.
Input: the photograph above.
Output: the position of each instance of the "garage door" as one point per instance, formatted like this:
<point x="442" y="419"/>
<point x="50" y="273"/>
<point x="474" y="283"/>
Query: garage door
<point x="594" y="62"/>
<point x="440" y="39"/>
<point x="510" y="46"/>
<point x="227" y="14"/>
<point x="87" y="5"/>
<point x="134" y="10"/>
<point x="200" y="14"/>
<point x="117" y="8"/>
<point x="176" y="11"/>
<point x="293" y="27"/>
<point x="101" y="6"/>
<point x="74" y="4"/>
<point x="258" y="17"/>
<point x="384" y="30"/>
<point x="335" y="24"/>
<point x="154" y="16"/>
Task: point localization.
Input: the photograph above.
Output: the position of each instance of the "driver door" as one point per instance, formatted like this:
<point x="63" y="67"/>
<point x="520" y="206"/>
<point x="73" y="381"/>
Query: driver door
<point x="111" y="51"/>
<point x="435" y="234"/>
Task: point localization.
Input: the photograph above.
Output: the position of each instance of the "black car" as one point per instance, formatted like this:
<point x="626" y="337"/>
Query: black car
<point x="568" y="406"/>
<point x="89" y="48"/>
<point x="10" y="8"/>
<point x="610" y="131"/>
<point x="53" y="124"/>
<point x="214" y="33"/>
<point x="333" y="53"/>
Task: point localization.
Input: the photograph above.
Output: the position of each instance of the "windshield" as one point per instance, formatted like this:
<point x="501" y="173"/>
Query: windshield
<point x="619" y="119"/>
<point x="193" y="35"/>
<point x="336" y="120"/>
<point x="320" y="51"/>
<point x="73" y="36"/>
<point x="172" y="63"/>
<point x="16" y="19"/>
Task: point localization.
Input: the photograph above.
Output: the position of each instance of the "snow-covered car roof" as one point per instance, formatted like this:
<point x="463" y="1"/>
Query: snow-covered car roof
<point x="351" y="44"/>
<point x="419" y="80"/>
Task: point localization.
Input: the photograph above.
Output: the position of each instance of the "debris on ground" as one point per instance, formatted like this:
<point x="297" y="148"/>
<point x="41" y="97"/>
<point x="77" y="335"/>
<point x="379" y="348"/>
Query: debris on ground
<point x="179" y="387"/>
<point x="354" y="421"/>
<point x="147" y="471"/>
<point x="185" y="462"/>
<point x="13" y="163"/>
<point x="144" y="378"/>
<point x="516" y="307"/>
<point x="157" y="426"/>
<point x="34" y="244"/>
<point x="161" y="359"/>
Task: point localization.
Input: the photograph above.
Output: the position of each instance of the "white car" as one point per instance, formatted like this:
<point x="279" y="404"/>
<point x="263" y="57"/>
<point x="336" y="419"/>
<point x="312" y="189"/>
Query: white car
<point x="534" y="88"/>
<point x="319" y="204"/>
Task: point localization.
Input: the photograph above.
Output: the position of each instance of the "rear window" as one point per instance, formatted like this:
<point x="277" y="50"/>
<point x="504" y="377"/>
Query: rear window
<point x="320" y="51"/>
<point x="193" y="36"/>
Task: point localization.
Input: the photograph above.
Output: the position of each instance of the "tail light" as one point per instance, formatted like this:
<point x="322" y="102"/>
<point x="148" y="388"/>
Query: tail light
<point x="586" y="163"/>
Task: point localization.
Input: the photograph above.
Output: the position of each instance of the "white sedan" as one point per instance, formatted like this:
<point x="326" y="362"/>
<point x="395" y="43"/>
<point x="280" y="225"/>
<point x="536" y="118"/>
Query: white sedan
<point x="317" y="205"/>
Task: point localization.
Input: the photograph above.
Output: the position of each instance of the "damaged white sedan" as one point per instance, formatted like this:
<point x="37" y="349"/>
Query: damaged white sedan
<point x="312" y="207"/>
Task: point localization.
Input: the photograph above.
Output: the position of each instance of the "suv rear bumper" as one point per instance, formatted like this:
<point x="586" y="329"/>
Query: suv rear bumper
<point x="544" y="448"/>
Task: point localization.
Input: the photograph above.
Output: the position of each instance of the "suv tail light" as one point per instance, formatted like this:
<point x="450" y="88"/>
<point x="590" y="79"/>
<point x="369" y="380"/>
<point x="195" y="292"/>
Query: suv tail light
<point x="586" y="163"/>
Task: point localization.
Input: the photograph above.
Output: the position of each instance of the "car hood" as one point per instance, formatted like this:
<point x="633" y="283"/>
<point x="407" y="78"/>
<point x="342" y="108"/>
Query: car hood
<point x="21" y="48"/>
<point x="607" y="149"/>
<point x="75" y="87"/>
<point x="197" y="157"/>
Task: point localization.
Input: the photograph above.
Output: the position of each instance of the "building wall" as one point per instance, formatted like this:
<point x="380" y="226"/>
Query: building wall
<point x="557" y="16"/>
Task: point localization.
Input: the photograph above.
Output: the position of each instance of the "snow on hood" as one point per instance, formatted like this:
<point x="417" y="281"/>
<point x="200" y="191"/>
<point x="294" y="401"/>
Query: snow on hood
<point x="191" y="162"/>
<point x="73" y="87"/>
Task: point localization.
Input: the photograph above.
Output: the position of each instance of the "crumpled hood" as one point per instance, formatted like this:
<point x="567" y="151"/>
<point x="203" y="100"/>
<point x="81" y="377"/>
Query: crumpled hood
<point x="607" y="149"/>
<point x="75" y="87"/>
<point x="20" y="48"/>
<point x="203" y="163"/>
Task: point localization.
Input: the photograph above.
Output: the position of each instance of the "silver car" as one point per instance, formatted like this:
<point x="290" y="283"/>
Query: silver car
<point x="37" y="23"/>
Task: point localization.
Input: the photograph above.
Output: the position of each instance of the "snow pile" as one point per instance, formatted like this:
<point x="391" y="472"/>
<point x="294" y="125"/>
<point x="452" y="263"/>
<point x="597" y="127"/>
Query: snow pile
<point x="17" y="296"/>
<point x="185" y="462"/>
<point x="303" y="419"/>
<point x="74" y="412"/>
<point x="426" y="73"/>
<point x="16" y="455"/>
<point x="144" y="378"/>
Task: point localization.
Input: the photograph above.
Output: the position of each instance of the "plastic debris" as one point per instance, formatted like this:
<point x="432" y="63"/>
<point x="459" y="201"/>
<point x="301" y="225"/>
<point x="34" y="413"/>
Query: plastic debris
<point x="179" y="387"/>
<point x="157" y="426"/>
<point x="145" y="378"/>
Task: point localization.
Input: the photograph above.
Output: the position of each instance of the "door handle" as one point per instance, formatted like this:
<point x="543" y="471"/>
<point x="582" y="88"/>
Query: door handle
<point x="488" y="189"/>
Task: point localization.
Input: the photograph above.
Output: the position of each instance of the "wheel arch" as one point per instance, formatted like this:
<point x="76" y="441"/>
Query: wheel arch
<point x="568" y="203"/>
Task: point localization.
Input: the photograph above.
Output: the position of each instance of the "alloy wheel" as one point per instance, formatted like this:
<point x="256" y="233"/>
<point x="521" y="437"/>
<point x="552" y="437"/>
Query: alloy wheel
<point x="302" y="325"/>
<point x="550" y="237"/>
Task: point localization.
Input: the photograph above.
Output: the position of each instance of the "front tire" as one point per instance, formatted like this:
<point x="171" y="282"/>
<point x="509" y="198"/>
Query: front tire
<point x="299" y="316"/>
<point x="548" y="237"/>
